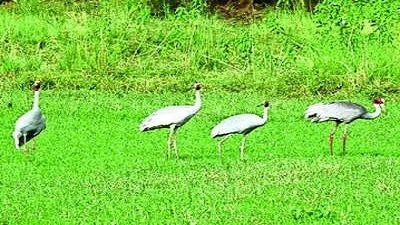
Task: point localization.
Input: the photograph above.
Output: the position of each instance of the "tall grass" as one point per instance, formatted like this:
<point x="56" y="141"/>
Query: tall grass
<point x="342" y="48"/>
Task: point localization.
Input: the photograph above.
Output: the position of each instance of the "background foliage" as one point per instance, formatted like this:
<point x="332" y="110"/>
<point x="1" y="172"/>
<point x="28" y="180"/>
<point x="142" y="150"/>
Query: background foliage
<point x="341" y="47"/>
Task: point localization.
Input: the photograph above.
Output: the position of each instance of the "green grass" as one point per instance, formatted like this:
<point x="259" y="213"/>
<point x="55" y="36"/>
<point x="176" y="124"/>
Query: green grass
<point x="106" y="65"/>
<point x="93" y="166"/>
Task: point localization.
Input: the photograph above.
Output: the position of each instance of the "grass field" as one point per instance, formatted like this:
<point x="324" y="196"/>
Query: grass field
<point x="106" y="65"/>
<point x="93" y="166"/>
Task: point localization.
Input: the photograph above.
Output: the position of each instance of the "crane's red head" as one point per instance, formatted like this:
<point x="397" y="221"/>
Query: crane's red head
<point x="379" y="101"/>
<point x="197" y="86"/>
<point x="36" y="85"/>
<point x="264" y="103"/>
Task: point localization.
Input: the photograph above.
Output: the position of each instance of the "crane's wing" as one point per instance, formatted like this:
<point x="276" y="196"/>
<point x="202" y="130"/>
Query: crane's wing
<point x="30" y="124"/>
<point x="340" y="111"/>
<point x="32" y="120"/>
<point x="164" y="117"/>
<point x="243" y="123"/>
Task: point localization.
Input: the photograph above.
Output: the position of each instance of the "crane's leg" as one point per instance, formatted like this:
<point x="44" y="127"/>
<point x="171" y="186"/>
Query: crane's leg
<point x="174" y="144"/>
<point x="331" y="137"/>
<point x="242" y="147"/>
<point x="168" y="145"/>
<point x="169" y="142"/>
<point x="34" y="144"/>
<point x="220" y="144"/>
<point x="346" y="127"/>
<point x="25" y="145"/>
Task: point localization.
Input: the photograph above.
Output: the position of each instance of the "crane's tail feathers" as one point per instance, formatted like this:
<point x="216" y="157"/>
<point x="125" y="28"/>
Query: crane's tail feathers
<point x="150" y="126"/>
<point x="16" y="136"/>
<point x="315" y="113"/>
<point x="143" y="128"/>
<point x="315" y="117"/>
<point x="214" y="132"/>
<point x="145" y="125"/>
<point x="218" y="132"/>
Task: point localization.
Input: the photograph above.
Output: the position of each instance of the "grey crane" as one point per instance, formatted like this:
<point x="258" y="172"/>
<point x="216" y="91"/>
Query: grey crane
<point x="29" y="125"/>
<point x="342" y="112"/>
<point x="172" y="117"/>
<point x="239" y="124"/>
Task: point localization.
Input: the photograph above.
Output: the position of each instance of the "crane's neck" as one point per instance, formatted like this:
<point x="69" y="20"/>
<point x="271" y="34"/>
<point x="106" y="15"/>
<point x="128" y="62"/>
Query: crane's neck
<point x="36" y="99"/>
<point x="197" y="103"/>
<point x="265" y="115"/>
<point x="373" y="115"/>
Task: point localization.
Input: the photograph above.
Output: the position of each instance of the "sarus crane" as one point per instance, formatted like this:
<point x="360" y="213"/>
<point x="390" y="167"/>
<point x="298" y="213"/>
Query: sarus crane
<point x="342" y="112"/>
<point x="172" y="117"/>
<point x="31" y="124"/>
<point x="239" y="124"/>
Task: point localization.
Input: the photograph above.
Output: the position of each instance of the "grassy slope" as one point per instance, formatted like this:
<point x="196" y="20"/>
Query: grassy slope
<point x="110" y="45"/>
<point x="92" y="165"/>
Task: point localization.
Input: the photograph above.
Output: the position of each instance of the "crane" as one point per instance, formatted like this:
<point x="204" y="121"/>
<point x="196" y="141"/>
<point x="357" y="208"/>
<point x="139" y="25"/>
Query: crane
<point x="31" y="124"/>
<point x="239" y="124"/>
<point x="342" y="112"/>
<point x="172" y="117"/>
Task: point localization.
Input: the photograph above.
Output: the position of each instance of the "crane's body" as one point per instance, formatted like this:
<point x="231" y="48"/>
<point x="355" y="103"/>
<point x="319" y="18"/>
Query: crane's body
<point x="30" y="124"/>
<point x="239" y="124"/>
<point x="165" y="117"/>
<point x="342" y="112"/>
<point x="172" y="117"/>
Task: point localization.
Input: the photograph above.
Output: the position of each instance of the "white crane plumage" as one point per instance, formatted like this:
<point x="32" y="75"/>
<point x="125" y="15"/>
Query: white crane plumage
<point x="31" y="124"/>
<point x="172" y="117"/>
<point x="342" y="112"/>
<point x="239" y="124"/>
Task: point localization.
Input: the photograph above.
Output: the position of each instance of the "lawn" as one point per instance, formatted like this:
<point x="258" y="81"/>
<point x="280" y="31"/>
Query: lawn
<point x="92" y="165"/>
<point x="106" y="65"/>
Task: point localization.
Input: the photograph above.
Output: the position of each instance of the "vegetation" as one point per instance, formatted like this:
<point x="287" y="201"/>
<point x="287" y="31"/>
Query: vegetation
<point x="105" y="65"/>
<point x="343" y="47"/>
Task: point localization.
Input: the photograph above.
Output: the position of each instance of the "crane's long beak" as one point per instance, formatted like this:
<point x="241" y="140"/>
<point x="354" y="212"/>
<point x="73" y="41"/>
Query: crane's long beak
<point x="261" y="104"/>
<point x="383" y="108"/>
